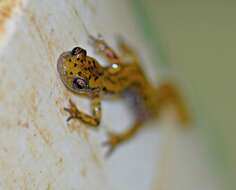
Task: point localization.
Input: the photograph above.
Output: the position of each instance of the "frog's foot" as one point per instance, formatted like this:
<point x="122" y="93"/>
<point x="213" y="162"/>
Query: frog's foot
<point x="98" y="43"/>
<point x="72" y="110"/>
<point x="113" y="141"/>
<point x="102" y="48"/>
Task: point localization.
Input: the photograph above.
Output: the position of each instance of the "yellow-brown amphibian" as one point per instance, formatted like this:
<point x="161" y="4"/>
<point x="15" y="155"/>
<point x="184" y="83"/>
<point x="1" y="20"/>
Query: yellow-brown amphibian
<point x="83" y="75"/>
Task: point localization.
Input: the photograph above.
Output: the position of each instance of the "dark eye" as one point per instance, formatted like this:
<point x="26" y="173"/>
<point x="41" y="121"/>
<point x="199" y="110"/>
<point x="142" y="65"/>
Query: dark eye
<point x="78" y="50"/>
<point x="79" y="83"/>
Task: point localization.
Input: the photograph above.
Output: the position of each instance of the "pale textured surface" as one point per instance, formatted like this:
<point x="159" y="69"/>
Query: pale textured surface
<point x="38" y="149"/>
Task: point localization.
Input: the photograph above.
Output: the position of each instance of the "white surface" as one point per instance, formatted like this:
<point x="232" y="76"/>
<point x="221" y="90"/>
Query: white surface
<point x="38" y="149"/>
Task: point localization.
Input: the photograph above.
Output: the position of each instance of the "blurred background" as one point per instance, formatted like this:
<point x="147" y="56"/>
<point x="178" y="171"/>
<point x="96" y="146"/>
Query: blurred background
<point x="197" y="39"/>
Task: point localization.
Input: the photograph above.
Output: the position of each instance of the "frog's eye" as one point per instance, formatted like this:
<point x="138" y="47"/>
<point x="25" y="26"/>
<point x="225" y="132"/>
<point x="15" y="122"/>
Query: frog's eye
<point x="79" y="83"/>
<point x="78" y="51"/>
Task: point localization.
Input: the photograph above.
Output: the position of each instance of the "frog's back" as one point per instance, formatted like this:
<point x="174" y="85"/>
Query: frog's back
<point x="125" y="77"/>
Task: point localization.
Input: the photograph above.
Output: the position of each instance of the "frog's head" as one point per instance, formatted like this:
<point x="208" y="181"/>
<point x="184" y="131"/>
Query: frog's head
<point x="80" y="73"/>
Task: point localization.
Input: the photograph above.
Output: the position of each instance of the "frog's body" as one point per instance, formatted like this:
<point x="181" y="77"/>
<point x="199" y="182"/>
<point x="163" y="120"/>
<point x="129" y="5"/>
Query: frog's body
<point x="85" y="76"/>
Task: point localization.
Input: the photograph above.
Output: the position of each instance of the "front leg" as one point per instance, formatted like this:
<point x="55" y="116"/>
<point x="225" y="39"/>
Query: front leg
<point x="105" y="50"/>
<point x="92" y="120"/>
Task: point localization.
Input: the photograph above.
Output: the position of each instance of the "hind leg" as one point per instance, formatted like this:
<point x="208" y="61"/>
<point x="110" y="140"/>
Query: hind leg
<point x="116" y="139"/>
<point x="169" y="94"/>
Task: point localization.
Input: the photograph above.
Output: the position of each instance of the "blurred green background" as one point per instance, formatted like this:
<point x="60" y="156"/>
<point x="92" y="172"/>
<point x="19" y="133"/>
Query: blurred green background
<point x="198" y="40"/>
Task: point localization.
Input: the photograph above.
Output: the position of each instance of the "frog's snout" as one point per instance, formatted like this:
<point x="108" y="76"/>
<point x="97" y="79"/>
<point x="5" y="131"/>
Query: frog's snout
<point x="60" y="62"/>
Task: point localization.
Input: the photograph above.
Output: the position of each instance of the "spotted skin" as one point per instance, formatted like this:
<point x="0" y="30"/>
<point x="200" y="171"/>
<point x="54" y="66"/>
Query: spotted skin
<point x="83" y="75"/>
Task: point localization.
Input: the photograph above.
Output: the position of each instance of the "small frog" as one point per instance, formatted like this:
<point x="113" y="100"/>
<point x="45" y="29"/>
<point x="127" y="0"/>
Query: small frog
<point x="123" y="78"/>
